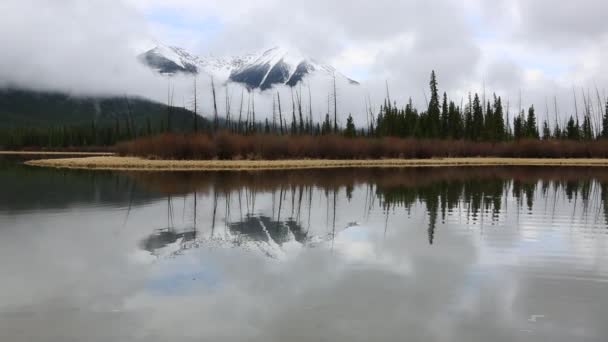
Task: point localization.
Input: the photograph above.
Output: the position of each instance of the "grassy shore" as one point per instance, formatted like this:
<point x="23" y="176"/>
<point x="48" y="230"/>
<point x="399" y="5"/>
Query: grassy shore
<point x="140" y="164"/>
<point x="53" y="153"/>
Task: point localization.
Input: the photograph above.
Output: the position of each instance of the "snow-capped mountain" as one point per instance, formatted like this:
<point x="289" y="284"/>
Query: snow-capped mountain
<point x="259" y="70"/>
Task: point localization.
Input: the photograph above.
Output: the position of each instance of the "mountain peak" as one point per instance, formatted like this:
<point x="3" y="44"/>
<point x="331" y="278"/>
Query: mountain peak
<point x="273" y="66"/>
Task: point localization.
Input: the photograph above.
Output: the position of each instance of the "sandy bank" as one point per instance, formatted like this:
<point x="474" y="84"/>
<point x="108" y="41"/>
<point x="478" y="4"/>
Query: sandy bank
<point x="139" y="164"/>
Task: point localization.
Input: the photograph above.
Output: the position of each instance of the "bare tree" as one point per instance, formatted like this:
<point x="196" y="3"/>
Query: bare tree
<point x="293" y="113"/>
<point x="253" y="124"/>
<point x="310" y="109"/>
<point x="241" y="111"/>
<point x="299" y="99"/>
<point x="215" y="116"/>
<point x="335" y="105"/>
<point x="228" y="105"/>
<point x="195" y="113"/>
<point x="280" y="112"/>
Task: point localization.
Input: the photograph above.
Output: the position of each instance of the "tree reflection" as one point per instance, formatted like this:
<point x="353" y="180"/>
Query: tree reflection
<point x="276" y="207"/>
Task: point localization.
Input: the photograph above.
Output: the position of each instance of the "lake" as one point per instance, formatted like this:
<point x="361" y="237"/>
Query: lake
<point x="423" y="254"/>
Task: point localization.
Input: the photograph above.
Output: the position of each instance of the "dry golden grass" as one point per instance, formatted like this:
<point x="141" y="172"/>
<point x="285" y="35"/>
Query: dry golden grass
<point x="140" y="164"/>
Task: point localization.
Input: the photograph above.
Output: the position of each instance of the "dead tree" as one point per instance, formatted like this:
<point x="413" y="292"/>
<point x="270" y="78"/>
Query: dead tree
<point x="215" y="116"/>
<point x="228" y="104"/>
<point x="335" y="106"/>
<point x="299" y="98"/>
<point x="195" y="113"/>
<point x="310" y="109"/>
<point x="241" y="111"/>
<point x="280" y="112"/>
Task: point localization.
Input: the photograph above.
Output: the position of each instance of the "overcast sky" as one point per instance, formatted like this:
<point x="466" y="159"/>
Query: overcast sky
<point x="539" y="47"/>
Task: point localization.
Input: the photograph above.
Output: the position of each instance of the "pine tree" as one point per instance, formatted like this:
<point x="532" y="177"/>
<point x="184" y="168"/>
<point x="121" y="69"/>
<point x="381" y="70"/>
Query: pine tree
<point x="519" y="126"/>
<point x="433" y="112"/>
<point x="546" y="131"/>
<point x="605" y="123"/>
<point x="326" y="128"/>
<point x="531" y="126"/>
<point x="468" y="120"/>
<point x="477" y="119"/>
<point x="488" y="131"/>
<point x="572" y="130"/>
<point x="445" y="117"/>
<point x="500" y="133"/>
<point x="350" y="131"/>
<point x="586" y="130"/>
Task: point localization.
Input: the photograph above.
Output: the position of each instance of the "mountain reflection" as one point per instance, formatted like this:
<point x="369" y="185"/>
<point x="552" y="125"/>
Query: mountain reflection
<point x="273" y="208"/>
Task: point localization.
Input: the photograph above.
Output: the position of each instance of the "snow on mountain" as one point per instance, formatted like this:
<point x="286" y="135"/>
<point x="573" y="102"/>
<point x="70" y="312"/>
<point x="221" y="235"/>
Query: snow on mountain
<point x="259" y="70"/>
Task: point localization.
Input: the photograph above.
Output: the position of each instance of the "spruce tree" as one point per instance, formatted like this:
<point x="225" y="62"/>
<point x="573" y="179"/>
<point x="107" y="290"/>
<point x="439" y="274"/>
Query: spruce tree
<point x="572" y="130"/>
<point x="605" y="123"/>
<point x="350" y="131"/>
<point x="531" y="126"/>
<point x="519" y="126"/>
<point x="587" y="132"/>
<point x="477" y="119"/>
<point x="445" y="124"/>
<point x="546" y="130"/>
<point x="468" y="120"/>
<point x="433" y="110"/>
<point x="499" y="121"/>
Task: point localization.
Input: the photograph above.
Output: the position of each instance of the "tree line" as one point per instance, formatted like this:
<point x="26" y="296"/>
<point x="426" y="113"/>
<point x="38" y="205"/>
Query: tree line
<point x="477" y="119"/>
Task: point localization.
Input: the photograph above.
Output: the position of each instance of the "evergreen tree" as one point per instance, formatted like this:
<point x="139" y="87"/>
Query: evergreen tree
<point x="586" y="130"/>
<point x="434" y="112"/>
<point x="531" y="126"/>
<point x="478" y="126"/>
<point x="445" y="121"/>
<point x="519" y="126"/>
<point x="605" y="123"/>
<point x="546" y="130"/>
<point x="489" y="124"/>
<point x="350" y="131"/>
<point x="572" y="130"/>
<point x="468" y="120"/>
<point x="500" y="133"/>
<point x="455" y="123"/>
<point x="326" y="128"/>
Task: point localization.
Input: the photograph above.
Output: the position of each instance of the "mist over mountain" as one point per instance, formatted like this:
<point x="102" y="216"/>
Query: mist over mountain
<point x="263" y="70"/>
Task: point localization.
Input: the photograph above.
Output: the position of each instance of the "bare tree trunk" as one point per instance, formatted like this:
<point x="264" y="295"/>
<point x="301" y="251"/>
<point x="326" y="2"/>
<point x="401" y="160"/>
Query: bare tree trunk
<point x="241" y="112"/>
<point x="274" y="115"/>
<point x="253" y="124"/>
<point x="299" y="98"/>
<point x="195" y="114"/>
<point x="215" y="116"/>
<point x="280" y="112"/>
<point x="310" y="109"/>
<point x="293" y="113"/>
<point x="335" y="106"/>
<point x="228" y="100"/>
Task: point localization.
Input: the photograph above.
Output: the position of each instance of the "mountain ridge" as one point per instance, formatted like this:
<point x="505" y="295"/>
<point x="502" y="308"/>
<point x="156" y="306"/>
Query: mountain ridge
<point x="275" y="66"/>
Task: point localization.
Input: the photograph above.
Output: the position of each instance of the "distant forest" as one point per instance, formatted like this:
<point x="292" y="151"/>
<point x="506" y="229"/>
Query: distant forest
<point x="56" y="121"/>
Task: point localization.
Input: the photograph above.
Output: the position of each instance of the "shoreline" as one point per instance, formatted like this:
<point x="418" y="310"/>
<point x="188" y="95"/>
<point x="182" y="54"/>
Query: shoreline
<point x="110" y="162"/>
<point x="54" y="153"/>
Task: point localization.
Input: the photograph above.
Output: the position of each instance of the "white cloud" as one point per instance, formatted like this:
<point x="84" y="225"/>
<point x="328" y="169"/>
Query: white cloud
<point x="541" y="47"/>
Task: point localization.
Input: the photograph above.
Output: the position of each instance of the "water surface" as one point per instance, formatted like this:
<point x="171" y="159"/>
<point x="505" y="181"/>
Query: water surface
<point x="428" y="254"/>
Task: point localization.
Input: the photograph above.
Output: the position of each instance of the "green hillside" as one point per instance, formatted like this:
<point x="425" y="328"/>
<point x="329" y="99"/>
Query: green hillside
<point x="20" y="108"/>
<point x="29" y="118"/>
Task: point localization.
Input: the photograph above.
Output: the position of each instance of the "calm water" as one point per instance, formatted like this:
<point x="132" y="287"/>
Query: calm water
<point x="471" y="254"/>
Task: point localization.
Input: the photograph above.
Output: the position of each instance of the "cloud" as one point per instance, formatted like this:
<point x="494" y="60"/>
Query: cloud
<point x="89" y="47"/>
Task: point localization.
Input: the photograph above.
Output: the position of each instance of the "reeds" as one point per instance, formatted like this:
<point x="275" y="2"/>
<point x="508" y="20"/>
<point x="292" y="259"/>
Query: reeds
<point x="225" y="146"/>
